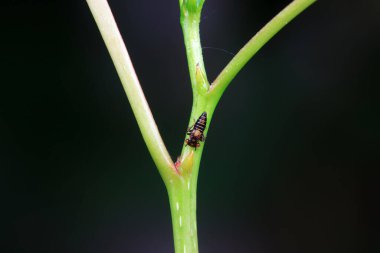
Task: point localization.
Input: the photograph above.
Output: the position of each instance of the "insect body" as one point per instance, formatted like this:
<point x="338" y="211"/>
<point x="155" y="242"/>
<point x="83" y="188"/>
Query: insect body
<point x="196" y="131"/>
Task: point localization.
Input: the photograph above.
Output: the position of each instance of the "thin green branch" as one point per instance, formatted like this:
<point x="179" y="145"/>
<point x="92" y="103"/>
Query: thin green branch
<point x="254" y="45"/>
<point x="120" y="57"/>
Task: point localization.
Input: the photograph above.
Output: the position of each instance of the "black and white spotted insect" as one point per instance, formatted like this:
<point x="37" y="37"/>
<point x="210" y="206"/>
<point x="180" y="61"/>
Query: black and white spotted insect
<point x="196" y="132"/>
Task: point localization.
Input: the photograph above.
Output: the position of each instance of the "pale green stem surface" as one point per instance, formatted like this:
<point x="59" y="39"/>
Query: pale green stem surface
<point x="182" y="196"/>
<point x="120" y="57"/>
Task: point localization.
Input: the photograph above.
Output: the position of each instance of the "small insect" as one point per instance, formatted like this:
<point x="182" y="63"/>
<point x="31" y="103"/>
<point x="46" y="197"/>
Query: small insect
<point x="196" y="131"/>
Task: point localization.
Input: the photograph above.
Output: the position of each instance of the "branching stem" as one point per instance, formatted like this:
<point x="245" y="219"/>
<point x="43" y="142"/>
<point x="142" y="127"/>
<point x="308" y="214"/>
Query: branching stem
<point x="181" y="179"/>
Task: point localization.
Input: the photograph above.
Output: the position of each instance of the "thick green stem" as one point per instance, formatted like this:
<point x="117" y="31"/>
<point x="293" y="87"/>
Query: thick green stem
<point x="182" y="198"/>
<point x="182" y="192"/>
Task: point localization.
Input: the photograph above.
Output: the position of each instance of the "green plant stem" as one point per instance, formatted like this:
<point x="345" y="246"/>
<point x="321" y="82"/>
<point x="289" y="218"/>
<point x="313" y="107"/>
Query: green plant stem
<point x="181" y="179"/>
<point x="259" y="40"/>
<point x="120" y="57"/>
<point x="205" y="99"/>
<point x="190" y="27"/>
<point x="182" y="198"/>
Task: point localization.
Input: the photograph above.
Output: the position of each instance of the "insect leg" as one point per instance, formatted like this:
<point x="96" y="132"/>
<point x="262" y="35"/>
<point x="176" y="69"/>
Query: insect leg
<point x="189" y="130"/>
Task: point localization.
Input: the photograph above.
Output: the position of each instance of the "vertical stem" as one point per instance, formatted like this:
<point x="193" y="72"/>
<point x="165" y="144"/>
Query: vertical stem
<point x="182" y="198"/>
<point x="182" y="194"/>
<point x="190" y="27"/>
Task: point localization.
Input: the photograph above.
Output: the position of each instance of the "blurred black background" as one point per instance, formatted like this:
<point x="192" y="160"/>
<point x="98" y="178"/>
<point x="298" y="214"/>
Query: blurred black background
<point x="300" y="128"/>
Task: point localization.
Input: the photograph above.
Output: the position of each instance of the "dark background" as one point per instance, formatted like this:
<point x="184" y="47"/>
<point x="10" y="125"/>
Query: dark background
<point x="300" y="127"/>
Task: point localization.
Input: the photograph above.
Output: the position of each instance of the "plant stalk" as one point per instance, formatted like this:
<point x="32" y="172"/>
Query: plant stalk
<point x="190" y="28"/>
<point x="255" y="44"/>
<point x="181" y="178"/>
<point x="182" y="198"/>
<point x="120" y="57"/>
